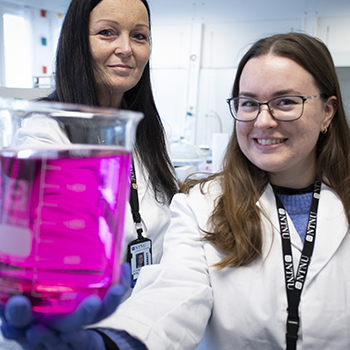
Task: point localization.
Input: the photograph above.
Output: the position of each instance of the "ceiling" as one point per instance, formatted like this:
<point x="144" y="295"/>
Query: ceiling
<point x="177" y="11"/>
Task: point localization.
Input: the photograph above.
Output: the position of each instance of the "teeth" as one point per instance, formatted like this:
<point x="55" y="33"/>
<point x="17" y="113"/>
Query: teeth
<point x="269" y="141"/>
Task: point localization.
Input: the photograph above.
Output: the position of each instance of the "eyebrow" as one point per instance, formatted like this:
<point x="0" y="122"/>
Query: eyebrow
<point x="142" y="25"/>
<point x="117" y="23"/>
<point x="275" y="94"/>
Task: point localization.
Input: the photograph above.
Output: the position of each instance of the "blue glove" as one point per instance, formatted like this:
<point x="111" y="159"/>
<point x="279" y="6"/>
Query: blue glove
<point x="62" y="332"/>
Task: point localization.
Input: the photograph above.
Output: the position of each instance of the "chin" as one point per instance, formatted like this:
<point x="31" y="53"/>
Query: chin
<point x="270" y="168"/>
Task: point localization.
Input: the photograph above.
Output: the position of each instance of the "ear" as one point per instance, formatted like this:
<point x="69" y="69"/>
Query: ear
<point x="329" y="110"/>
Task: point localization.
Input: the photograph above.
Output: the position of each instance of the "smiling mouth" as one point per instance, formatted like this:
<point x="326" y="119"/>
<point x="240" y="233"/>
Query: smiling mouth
<point x="267" y="142"/>
<point x="121" y="67"/>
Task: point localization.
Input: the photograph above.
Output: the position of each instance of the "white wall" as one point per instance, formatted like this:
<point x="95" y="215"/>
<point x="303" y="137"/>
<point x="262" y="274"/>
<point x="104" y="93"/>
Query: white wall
<point x="194" y="62"/>
<point x="344" y="82"/>
<point x="223" y="44"/>
<point x="47" y="27"/>
<point x="23" y="94"/>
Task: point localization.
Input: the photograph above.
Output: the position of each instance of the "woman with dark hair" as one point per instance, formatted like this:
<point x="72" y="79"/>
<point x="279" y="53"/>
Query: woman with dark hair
<point x="85" y="76"/>
<point x="103" y="60"/>
<point x="257" y="257"/>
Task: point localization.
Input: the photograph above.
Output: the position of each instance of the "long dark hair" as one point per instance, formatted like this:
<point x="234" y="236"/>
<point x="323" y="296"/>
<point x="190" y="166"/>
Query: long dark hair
<point x="75" y="83"/>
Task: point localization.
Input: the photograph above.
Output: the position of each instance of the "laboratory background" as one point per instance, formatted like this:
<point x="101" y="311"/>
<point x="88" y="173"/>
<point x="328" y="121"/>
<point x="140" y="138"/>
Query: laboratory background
<point x="196" y="46"/>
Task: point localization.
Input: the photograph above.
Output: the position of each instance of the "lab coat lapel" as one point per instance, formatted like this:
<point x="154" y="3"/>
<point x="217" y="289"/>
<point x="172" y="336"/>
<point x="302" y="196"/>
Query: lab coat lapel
<point x="332" y="227"/>
<point x="141" y="184"/>
<point x="267" y="204"/>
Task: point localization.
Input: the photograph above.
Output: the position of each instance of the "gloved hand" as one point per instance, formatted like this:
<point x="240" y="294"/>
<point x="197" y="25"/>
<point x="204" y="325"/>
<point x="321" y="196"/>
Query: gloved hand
<point x="62" y="331"/>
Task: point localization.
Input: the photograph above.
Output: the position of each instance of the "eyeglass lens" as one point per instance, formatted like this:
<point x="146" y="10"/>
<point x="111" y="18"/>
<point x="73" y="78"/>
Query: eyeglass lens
<point x="285" y="108"/>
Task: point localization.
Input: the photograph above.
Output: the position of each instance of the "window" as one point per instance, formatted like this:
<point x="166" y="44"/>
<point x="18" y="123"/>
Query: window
<point x="17" y="53"/>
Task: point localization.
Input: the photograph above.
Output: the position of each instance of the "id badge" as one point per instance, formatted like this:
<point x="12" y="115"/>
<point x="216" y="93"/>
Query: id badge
<point x="139" y="255"/>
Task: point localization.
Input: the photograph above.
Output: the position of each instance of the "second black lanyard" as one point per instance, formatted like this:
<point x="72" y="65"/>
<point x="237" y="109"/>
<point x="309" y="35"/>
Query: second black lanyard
<point x="295" y="284"/>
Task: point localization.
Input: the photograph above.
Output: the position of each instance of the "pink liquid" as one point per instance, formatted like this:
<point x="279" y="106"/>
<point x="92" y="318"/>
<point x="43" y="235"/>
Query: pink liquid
<point x="61" y="224"/>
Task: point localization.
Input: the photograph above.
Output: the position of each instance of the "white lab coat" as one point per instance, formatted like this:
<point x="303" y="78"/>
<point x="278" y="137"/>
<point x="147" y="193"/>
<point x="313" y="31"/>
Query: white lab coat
<point x="185" y="297"/>
<point x="155" y="216"/>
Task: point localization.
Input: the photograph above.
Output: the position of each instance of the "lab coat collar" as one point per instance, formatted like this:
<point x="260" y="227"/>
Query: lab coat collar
<point x="267" y="204"/>
<point x="332" y="227"/>
<point x="141" y="183"/>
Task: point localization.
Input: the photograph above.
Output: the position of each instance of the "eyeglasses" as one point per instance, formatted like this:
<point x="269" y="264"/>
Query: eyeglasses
<point x="283" y="108"/>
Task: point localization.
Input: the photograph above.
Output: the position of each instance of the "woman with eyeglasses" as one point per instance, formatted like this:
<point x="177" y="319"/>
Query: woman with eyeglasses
<point x="258" y="256"/>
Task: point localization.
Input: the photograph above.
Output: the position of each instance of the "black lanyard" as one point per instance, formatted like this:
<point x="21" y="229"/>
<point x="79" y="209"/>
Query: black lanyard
<point x="134" y="203"/>
<point x="294" y="285"/>
<point x="139" y="251"/>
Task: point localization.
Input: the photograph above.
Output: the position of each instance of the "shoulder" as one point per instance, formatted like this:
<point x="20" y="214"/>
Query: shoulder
<point x="37" y="130"/>
<point x="201" y="197"/>
<point x="208" y="190"/>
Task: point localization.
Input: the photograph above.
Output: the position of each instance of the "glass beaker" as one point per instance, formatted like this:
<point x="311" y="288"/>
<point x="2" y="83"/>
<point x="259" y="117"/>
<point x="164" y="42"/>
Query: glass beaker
<point x="65" y="172"/>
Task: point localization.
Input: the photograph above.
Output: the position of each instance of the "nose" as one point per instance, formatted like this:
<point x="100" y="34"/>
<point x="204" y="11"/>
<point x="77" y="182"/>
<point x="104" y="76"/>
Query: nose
<point x="265" y="119"/>
<point x="123" y="45"/>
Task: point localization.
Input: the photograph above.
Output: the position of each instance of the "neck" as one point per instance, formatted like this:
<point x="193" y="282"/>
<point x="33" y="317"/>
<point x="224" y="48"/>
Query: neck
<point x="294" y="182"/>
<point x="299" y="174"/>
<point x="109" y="100"/>
<point x="293" y="191"/>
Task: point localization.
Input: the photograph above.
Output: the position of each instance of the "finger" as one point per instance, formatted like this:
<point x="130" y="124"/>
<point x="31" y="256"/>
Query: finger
<point x="18" y="311"/>
<point x="2" y="310"/>
<point x="83" y="339"/>
<point x="115" y="294"/>
<point x="32" y="347"/>
<point x="41" y="335"/>
<point x="110" y="302"/>
<point x="13" y="333"/>
<point x="76" y="339"/>
<point x="83" y="315"/>
<point x="125" y="276"/>
<point x="44" y="338"/>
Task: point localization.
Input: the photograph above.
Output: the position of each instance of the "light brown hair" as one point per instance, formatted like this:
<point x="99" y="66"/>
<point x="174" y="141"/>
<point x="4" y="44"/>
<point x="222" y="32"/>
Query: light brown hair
<point x="236" y="219"/>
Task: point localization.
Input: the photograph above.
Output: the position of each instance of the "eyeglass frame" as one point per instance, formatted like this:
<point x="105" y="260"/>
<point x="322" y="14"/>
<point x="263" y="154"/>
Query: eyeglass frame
<point x="304" y="98"/>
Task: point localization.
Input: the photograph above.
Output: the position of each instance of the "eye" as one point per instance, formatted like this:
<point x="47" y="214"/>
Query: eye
<point x="244" y="105"/>
<point x="287" y="101"/>
<point x="105" y="32"/>
<point x="248" y="103"/>
<point x="140" y="37"/>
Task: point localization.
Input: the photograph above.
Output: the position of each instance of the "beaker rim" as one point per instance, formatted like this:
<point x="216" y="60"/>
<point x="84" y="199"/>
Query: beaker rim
<point x="63" y="109"/>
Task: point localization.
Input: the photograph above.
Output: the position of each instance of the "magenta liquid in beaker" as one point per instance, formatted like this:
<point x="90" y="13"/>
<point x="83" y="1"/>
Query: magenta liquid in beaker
<point x="64" y="187"/>
<point x="60" y="217"/>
